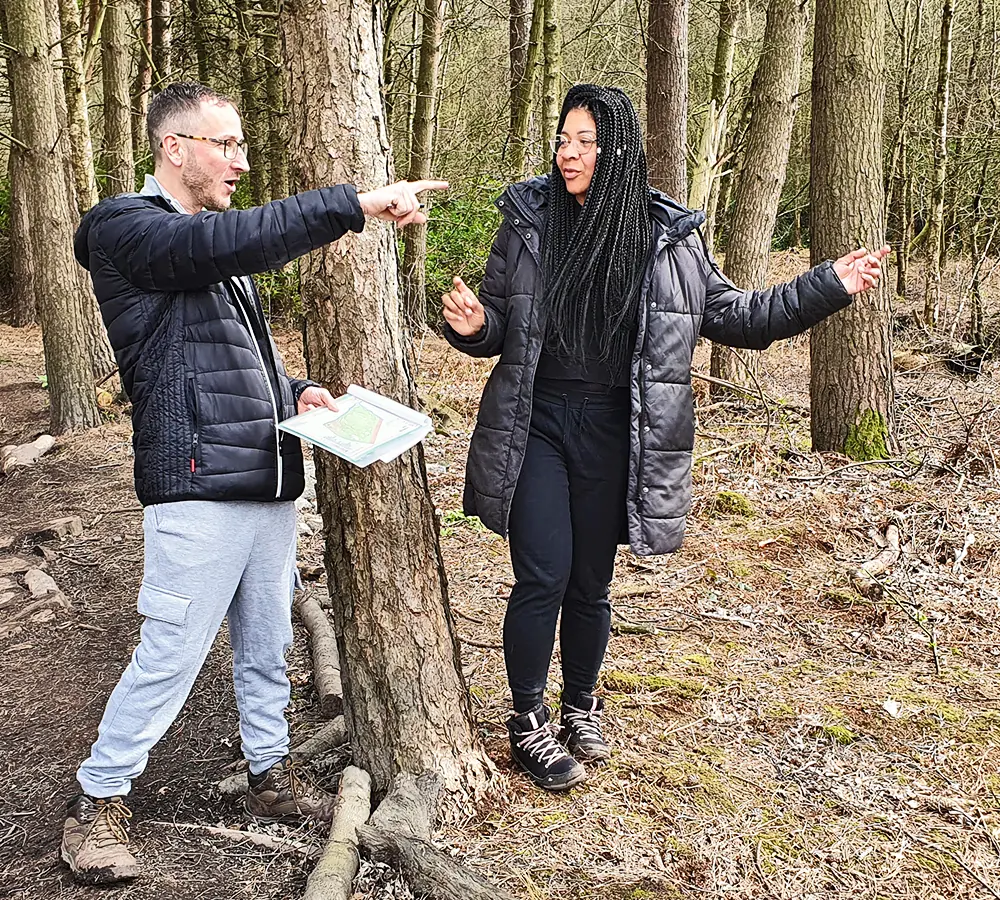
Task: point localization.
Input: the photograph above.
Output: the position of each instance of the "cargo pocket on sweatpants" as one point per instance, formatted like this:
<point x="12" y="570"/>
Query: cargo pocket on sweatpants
<point x="164" y="632"/>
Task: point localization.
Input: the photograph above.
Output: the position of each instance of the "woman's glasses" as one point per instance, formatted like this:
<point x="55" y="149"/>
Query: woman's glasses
<point x="561" y="143"/>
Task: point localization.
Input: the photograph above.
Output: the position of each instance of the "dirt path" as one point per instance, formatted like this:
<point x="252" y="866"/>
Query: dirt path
<point x="776" y="733"/>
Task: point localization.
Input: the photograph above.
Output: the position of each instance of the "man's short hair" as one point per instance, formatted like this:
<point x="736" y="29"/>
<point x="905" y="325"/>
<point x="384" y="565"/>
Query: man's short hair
<point x="174" y="106"/>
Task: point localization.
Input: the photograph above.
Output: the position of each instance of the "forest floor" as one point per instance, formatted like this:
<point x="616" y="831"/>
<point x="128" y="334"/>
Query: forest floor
<point x="776" y="732"/>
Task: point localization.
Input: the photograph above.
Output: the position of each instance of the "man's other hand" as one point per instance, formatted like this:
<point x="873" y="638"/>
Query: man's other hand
<point x="398" y="202"/>
<point x="314" y="397"/>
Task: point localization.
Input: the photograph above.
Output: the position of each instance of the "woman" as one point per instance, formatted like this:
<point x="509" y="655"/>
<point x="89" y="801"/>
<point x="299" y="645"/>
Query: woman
<point x="596" y="290"/>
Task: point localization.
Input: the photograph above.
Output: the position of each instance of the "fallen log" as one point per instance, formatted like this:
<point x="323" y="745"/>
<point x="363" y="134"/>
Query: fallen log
<point x="331" y="735"/>
<point x="333" y="877"/>
<point x="326" y="661"/>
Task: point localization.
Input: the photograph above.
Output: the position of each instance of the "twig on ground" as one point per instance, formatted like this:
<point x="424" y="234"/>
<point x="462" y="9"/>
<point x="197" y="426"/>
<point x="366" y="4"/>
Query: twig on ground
<point x="333" y="877"/>
<point x="326" y="660"/>
<point x="267" y="841"/>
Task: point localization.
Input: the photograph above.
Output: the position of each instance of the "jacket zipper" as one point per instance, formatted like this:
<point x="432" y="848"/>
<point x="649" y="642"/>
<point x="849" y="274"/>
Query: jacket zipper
<point x="270" y="392"/>
<point x="197" y="424"/>
<point x="643" y="415"/>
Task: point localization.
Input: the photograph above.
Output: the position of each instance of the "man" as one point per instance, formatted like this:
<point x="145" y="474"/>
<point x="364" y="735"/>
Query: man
<point x="215" y="475"/>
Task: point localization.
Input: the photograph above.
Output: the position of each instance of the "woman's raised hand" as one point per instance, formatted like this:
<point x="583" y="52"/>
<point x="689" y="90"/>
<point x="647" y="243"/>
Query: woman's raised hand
<point x="860" y="269"/>
<point x="462" y="309"/>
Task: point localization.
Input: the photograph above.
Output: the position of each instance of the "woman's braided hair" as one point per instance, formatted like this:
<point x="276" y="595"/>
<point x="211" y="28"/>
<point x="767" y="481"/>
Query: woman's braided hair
<point x="593" y="259"/>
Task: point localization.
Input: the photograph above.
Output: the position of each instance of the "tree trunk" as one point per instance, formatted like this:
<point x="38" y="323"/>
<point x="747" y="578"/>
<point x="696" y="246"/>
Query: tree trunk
<point x="667" y="96"/>
<point x="143" y="78"/>
<point x="255" y="119"/>
<point x="161" y="49"/>
<point x="526" y="88"/>
<point x="932" y="289"/>
<point x="119" y="164"/>
<point x="851" y="385"/>
<point x="552" y="78"/>
<point x="404" y="695"/>
<point x="765" y="160"/>
<point x="277" y="157"/>
<point x="520" y="24"/>
<point x="704" y="179"/>
<point x="72" y="399"/>
<point x="22" y="266"/>
<point x="81" y="146"/>
<point x="414" y="278"/>
<point x="199" y="31"/>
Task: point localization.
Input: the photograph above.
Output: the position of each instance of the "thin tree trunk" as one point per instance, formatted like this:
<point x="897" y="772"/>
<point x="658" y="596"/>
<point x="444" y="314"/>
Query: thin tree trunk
<point x="255" y="120"/>
<point x="704" y="179"/>
<point x="667" y="96"/>
<point x="277" y="157"/>
<point x="765" y="160"/>
<point x="552" y="78"/>
<point x="414" y="274"/>
<point x="199" y="32"/>
<point x="161" y="44"/>
<point x="50" y="214"/>
<point x="522" y="109"/>
<point x="143" y="77"/>
<point x="932" y="288"/>
<point x="405" y="700"/>
<point x="520" y="25"/>
<point x="851" y="385"/>
<point x="119" y="163"/>
<point x="22" y="309"/>
<point x="81" y="146"/>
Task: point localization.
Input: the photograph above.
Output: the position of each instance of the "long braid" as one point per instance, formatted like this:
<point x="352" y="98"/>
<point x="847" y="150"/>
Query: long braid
<point x="593" y="262"/>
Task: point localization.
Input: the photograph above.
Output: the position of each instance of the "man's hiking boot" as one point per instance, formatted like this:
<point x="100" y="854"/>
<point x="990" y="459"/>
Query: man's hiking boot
<point x="536" y="750"/>
<point x="95" y="841"/>
<point x="581" y="728"/>
<point x="282" y="793"/>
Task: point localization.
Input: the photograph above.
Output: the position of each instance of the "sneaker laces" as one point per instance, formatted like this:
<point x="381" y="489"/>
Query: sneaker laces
<point x="585" y="722"/>
<point x="542" y="745"/>
<point x="299" y="787"/>
<point x="111" y="823"/>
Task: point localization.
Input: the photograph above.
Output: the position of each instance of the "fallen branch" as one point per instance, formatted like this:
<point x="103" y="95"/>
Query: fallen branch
<point x="331" y="735"/>
<point x="333" y="877"/>
<point x="268" y="841"/>
<point x="326" y="660"/>
<point x="866" y="577"/>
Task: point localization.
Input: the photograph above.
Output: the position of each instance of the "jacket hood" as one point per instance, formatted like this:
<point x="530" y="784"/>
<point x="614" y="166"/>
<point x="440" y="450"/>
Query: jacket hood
<point x="530" y="198"/>
<point x="97" y="215"/>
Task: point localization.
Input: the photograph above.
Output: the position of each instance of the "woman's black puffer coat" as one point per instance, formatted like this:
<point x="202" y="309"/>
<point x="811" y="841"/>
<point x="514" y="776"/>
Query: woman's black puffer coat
<point x="684" y="294"/>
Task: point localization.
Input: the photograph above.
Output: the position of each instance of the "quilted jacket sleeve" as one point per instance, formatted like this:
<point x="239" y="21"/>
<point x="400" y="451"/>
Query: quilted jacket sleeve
<point x="488" y="341"/>
<point x="175" y="252"/>
<point x="753" y="320"/>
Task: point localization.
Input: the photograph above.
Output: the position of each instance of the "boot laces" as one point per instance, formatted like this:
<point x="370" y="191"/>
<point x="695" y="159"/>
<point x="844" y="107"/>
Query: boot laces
<point x="542" y="745"/>
<point x="111" y="823"/>
<point x="586" y="723"/>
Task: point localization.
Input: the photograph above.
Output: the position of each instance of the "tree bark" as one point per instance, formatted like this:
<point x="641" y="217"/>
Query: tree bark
<point x="414" y="278"/>
<point x="552" y="68"/>
<point x="255" y="119"/>
<point x="667" y="96"/>
<point x="521" y="117"/>
<point x="119" y="163"/>
<point x="143" y="77"/>
<point x="277" y="157"/>
<point x="161" y="44"/>
<point x="73" y="403"/>
<point x="199" y="31"/>
<point x="765" y="161"/>
<point x="520" y="25"/>
<point x="81" y="145"/>
<point x="404" y="694"/>
<point x="932" y="287"/>
<point x="704" y="179"/>
<point x="851" y="384"/>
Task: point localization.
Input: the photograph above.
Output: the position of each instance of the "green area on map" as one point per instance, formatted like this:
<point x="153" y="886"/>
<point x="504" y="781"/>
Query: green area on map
<point x="357" y="424"/>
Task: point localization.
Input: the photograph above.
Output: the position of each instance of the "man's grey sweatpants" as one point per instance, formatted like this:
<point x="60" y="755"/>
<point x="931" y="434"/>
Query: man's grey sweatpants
<point x="204" y="560"/>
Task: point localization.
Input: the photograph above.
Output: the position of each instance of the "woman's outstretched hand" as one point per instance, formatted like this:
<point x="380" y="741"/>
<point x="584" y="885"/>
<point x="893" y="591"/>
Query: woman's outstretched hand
<point x="462" y="309"/>
<point x="860" y="269"/>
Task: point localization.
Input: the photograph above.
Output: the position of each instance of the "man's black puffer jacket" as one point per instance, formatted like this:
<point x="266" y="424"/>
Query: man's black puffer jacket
<point x="195" y="355"/>
<point x="684" y="294"/>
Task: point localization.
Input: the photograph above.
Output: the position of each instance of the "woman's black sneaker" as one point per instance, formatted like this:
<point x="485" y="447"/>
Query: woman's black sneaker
<point x="536" y="750"/>
<point x="581" y="728"/>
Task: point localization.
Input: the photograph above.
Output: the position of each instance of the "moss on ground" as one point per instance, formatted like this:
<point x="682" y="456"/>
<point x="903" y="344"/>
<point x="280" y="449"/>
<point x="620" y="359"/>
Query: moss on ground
<point x="630" y="683"/>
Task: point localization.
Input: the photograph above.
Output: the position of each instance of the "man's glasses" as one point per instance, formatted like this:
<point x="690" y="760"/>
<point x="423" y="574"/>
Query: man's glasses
<point x="229" y="146"/>
<point x="583" y="145"/>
